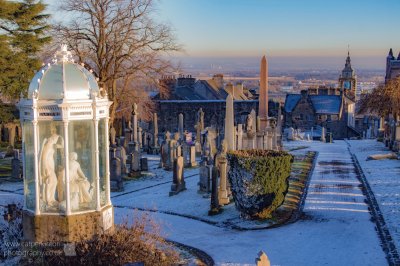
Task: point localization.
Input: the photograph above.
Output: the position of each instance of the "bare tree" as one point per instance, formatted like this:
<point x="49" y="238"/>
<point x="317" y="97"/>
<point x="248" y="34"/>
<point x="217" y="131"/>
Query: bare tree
<point x="120" y="41"/>
<point x="383" y="100"/>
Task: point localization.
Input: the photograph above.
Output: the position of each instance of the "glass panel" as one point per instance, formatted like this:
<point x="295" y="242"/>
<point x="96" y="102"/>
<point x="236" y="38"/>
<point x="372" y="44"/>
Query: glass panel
<point x="29" y="166"/>
<point x="81" y="165"/>
<point x="51" y="166"/>
<point x="51" y="86"/>
<point x="103" y="160"/>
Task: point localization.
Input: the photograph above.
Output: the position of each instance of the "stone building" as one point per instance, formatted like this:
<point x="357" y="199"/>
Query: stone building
<point x="332" y="108"/>
<point x="392" y="66"/>
<point x="188" y="88"/>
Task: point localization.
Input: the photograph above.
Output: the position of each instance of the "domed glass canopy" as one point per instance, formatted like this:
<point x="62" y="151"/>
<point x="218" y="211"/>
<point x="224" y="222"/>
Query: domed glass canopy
<point x="63" y="80"/>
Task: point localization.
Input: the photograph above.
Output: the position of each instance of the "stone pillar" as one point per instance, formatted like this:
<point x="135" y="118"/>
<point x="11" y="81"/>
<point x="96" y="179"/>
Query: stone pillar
<point x="180" y="125"/>
<point x="263" y="98"/>
<point x="239" y="136"/>
<point x="140" y="139"/>
<point x="229" y="123"/>
<point x="16" y="172"/>
<point x="155" y="130"/>
<point x="192" y="156"/>
<point x="112" y="136"/>
<point x="323" y="135"/>
<point x="135" y="126"/>
<point x="222" y="164"/>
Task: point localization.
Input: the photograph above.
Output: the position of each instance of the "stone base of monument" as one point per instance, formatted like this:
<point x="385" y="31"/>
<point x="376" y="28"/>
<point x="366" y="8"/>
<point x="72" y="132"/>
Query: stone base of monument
<point x="134" y="174"/>
<point x="215" y="211"/>
<point x="176" y="188"/>
<point x="154" y="150"/>
<point x="60" y="228"/>
<point x="116" y="185"/>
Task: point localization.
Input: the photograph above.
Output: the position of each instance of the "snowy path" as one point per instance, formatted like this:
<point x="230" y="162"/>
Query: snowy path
<point x="336" y="230"/>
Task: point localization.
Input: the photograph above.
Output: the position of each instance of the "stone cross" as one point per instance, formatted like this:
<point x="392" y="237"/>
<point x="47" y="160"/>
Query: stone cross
<point x="229" y="123"/>
<point x="262" y="259"/>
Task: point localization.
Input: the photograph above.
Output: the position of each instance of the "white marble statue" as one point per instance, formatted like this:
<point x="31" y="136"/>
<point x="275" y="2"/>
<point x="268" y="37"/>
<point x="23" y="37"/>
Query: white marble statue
<point x="79" y="184"/>
<point x="48" y="177"/>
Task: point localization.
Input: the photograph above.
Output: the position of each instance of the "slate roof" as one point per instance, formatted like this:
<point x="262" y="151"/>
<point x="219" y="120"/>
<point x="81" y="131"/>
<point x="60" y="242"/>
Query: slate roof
<point x="323" y="104"/>
<point x="187" y="93"/>
<point x="326" y="104"/>
<point x="291" y="101"/>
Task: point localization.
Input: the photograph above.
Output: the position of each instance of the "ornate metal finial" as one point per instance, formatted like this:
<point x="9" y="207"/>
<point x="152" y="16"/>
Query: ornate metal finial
<point x="63" y="55"/>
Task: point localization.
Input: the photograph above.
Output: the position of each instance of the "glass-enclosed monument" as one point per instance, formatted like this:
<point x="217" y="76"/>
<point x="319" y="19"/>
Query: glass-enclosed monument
<point x="65" y="145"/>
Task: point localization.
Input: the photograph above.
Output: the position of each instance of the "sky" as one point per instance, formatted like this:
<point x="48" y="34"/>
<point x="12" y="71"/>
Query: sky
<point x="283" y="27"/>
<point x="308" y="31"/>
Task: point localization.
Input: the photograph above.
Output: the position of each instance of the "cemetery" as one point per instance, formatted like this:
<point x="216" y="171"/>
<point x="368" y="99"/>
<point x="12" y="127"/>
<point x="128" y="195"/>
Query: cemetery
<point x="75" y="179"/>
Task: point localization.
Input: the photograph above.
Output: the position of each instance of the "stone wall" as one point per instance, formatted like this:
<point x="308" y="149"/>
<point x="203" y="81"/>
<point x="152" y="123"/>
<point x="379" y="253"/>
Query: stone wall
<point x="214" y="113"/>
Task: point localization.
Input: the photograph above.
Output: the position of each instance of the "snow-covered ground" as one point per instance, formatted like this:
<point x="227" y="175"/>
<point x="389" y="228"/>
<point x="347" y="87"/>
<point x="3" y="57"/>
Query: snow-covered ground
<point x="336" y="228"/>
<point x="384" y="179"/>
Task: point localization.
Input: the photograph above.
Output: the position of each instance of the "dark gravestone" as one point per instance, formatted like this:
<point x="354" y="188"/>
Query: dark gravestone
<point x="144" y="166"/>
<point x="178" y="182"/>
<point x="214" y="208"/>
<point x="16" y="171"/>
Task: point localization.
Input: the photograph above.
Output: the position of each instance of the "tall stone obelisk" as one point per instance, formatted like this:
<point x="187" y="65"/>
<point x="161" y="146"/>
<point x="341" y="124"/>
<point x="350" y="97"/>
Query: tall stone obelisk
<point x="263" y="98"/>
<point x="229" y="123"/>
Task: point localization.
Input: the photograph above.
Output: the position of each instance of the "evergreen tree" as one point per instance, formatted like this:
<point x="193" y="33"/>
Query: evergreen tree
<point x="23" y="28"/>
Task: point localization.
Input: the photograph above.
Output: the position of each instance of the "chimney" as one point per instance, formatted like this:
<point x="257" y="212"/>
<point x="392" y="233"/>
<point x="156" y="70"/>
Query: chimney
<point x="219" y="80"/>
<point x="229" y="88"/>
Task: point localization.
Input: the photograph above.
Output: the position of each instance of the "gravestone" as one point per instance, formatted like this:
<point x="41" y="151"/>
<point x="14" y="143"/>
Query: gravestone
<point x="144" y="165"/>
<point x="323" y="134"/>
<point x="205" y="173"/>
<point x="165" y="154"/>
<point x="116" y="183"/>
<point x="214" y="206"/>
<point x="135" y="164"/>
<point x="16" y="171"/>
<point x="178" y="182"/>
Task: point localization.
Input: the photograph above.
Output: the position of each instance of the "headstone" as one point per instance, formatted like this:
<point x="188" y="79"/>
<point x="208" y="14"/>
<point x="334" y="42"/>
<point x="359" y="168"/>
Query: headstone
<point x="214" y="208"/>
<point x="221" y="163"/>
<point x="290" y="134"/>
<point x="120" y="153"/>
<point x="112" y="137"/>
<point x="173" y="145"/>
<point x="254" y="120"/>
<point x="11" y="134"/>
<point x="165" y="153"/>
<point x="144" y="165"/>
<point x="116" y="183"/>
<point x="258" y="125"/>
<point x="178" y="182"/>
<point x="16" y="166"/>
<point x="205" y="173"/>
<point x="262" y="259"/>
<point x="135" y="164"/>
<point x="229" y="123"/>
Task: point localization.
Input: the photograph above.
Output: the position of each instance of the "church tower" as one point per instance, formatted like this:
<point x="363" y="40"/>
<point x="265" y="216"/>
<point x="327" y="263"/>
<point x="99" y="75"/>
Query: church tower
<point x="348" y="80"/>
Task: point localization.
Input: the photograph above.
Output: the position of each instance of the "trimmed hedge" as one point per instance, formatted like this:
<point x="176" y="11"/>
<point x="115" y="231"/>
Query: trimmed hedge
<point x="259" y="180"/>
